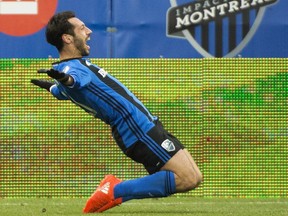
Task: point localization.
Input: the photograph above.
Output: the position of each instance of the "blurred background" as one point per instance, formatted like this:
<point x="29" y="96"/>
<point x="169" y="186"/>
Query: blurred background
<point x="146" y="29"/>
<point x="216" y="78"/>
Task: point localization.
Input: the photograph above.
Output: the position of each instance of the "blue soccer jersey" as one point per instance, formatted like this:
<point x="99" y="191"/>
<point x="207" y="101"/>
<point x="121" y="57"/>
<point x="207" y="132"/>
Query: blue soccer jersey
<point x="103" y="96"/>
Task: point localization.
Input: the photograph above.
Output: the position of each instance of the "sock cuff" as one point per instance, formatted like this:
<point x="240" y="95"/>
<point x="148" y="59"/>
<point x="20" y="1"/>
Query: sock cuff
<point x="170" y="184"/>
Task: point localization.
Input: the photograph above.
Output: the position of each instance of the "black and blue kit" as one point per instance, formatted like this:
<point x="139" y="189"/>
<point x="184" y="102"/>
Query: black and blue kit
<point x="138" y="133"/>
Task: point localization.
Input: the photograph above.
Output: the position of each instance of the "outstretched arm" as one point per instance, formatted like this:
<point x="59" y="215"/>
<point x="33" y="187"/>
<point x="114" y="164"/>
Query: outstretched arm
<point x="51" y="86"/>
<point x="45" y="84"/>
<point x="64" y="78"/>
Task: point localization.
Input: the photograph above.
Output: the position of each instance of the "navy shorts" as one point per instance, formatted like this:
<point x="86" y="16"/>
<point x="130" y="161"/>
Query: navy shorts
<point x="155" y="149"/>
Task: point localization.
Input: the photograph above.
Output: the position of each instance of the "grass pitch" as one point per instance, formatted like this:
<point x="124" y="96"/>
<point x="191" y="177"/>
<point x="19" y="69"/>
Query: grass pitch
<point x="166" y="206"/>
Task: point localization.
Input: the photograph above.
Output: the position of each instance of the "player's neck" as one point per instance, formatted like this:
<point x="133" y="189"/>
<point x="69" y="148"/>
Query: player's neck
<point x="68" y="54"/>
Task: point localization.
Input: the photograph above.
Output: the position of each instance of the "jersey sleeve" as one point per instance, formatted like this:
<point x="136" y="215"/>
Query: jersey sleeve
<point x="81" y="78"/>
<point x="57" y="93"/>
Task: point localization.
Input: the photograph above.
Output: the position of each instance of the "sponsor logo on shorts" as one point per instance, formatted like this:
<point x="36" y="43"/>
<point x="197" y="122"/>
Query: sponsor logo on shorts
<point x="168" y="145"/>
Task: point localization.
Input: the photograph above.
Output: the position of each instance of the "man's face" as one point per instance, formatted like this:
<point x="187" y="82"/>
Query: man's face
<point x="82" y="35"/>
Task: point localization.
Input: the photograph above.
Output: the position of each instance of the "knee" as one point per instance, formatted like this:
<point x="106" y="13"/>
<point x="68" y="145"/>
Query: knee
<point x="193" y="181"/>
<point x="189" y="182"/>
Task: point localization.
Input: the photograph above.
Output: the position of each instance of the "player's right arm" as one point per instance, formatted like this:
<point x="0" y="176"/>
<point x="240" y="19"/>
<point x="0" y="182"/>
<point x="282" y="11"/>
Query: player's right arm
<point x="49" y="86"/>
<point x="61" y="77"/>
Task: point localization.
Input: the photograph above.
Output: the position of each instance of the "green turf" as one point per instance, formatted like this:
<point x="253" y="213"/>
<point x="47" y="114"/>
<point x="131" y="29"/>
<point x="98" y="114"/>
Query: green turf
<point x="165" y="206"/>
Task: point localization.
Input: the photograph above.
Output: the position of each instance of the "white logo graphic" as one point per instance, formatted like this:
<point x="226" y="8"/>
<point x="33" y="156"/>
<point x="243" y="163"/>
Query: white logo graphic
<point x="168" y="145"/>
<point x="18" y="7"/>
<point x="105" y="188"/>
<point x="102" y="72"/>
<point x="184" y="18"/>
<point x="88" y="63"/>
<point x="66" y="69"/>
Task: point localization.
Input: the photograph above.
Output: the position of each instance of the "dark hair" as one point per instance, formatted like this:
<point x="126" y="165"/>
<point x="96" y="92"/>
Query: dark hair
<point x="57" y="26"/>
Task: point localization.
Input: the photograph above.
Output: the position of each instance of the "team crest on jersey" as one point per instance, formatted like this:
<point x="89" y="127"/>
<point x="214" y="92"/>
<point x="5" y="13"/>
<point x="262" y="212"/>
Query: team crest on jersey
<point x="168" y="145"/>
<point x="216" y="28"/>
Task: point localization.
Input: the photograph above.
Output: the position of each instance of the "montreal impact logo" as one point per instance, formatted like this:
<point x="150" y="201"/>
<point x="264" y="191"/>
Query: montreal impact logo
<point x="216" y="28"/>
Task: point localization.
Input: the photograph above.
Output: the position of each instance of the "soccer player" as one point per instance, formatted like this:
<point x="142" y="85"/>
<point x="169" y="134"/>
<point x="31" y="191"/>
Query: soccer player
<point x="138" y="133"/>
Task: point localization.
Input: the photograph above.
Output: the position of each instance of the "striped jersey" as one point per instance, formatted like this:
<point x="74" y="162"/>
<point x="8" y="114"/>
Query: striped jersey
<point x="104" y="97"/>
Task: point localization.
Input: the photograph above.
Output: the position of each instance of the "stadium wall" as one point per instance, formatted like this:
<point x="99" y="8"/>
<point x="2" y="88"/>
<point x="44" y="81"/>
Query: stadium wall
<point x="231" y="113"/>
<point x="152" y="29"/>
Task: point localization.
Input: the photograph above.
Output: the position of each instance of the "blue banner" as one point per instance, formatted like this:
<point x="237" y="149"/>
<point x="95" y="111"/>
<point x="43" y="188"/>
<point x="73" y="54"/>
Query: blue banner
<point x="146" y="29"/>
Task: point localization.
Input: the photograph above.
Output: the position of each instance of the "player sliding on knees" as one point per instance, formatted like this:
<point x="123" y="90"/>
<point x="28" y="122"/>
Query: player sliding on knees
<point x="138" y="133"/>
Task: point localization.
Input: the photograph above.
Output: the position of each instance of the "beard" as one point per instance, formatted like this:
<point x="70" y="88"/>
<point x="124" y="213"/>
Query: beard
<point x="81" y="46"/>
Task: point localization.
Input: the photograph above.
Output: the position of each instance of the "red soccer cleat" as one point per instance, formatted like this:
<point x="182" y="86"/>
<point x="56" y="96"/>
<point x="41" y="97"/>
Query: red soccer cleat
<point x="109" y="205"/>
<point x="103" y="198"/>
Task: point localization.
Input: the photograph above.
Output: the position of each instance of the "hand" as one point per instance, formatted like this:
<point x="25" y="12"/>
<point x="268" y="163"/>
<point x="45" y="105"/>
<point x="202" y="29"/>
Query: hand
<point x="42" y="83"/>
<point x="58" y="75"/>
